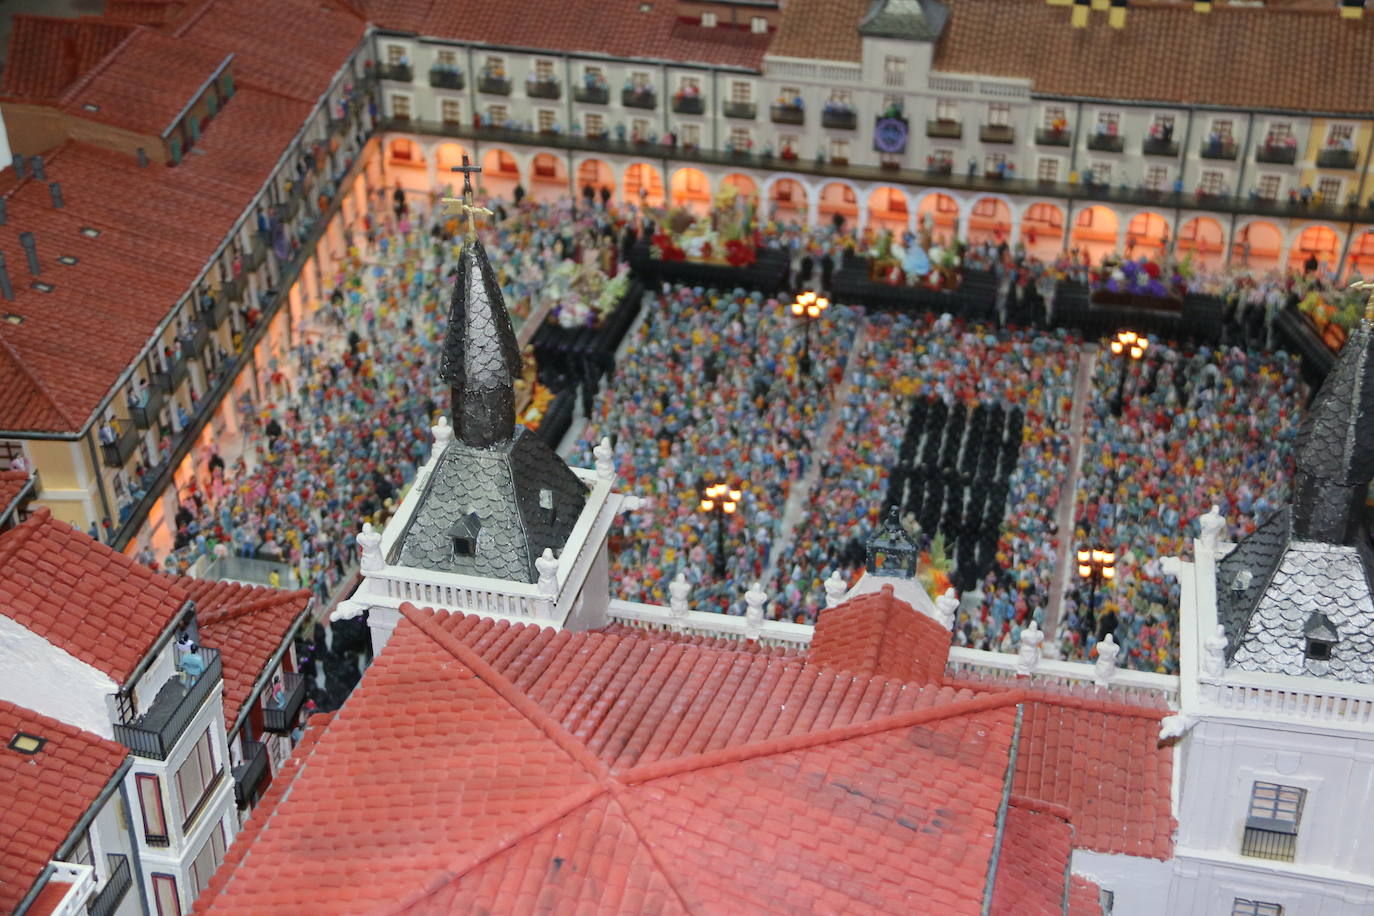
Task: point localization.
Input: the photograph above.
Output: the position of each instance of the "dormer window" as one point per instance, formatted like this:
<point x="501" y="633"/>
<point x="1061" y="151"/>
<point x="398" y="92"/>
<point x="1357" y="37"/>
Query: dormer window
<point x="546" y="506"/>
<point x="25" y="743"/>
<point x="1321" y="637"/>
<point x="463" y="535"/>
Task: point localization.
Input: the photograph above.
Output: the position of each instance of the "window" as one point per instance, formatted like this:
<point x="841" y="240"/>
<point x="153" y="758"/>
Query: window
<point x="1271" y="828"/>
<point x="999" y="114"/>
<point x="1329" y="190"/>
<point x="1157" y="177"/>
<point x="739" y="139"/>
<point x="495" y="66"/>
<point x="400" y="106"/>
<point x="395" y="54"/>
<point x="596" y="125"/>
<point x="839" y="150"/>
<point x="708" y="20"/>
<point x="81" y="854"/>
<point x="842" y="97"/>
<point x="1242" y="907"/>
<point x="150" y="800"/>
<point x="758" y="25"/>
<point x="165" y="895"/>
<point x="690" y="134"/>
<point x="1164" y="123"/>
<point x="1211" y="183"/>
<point x="945" y="110"/>
<point x="640" y="81"/>
<point x="593" y="75"/>
<point x="210" y="857"/>
<point x="450" y="111"/>
<point x="402" y="149"/>
<point x="640" y="127"/>
<point x="741" y="93"/>
<point x="790" y="93"/>
<point x="496" y="114"/>
<point x="894" y="71"/>
<point x="1269" y="186"/>
<point x="1280" y="132"/>
<point x="689" y="84"/>
<point x="1055" y="118"/>
<point x="1108" y="122"/>
<point x="447" y="59"/>
<point x="1222" y="129"/>
<point x="1102" y="174"/>
<point x="547" y="118"/>
<point x="1047" y="170"/>
<point x="994" y="163"/>
<point x="195" y="777"/>
<point x="543" y="70"/>
<point x="1341" y="136"/>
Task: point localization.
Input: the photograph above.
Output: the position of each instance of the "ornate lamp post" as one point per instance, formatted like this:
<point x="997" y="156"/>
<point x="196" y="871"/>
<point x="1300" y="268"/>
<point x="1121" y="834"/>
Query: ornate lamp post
<point x="808" y="307"/>
<point x="1096" y="566"/>
<point x="1130" y="346"/>
<point x="720" y="500"/>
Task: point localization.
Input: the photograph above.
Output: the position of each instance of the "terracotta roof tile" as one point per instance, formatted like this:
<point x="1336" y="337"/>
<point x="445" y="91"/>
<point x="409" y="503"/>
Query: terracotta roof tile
<point x="12" y="484"/>
<point x="90" y="601"/>
<point x="46" y="793"/>
<point x="47" y="53"/>
<point x="1084" y="898"/>
<point x="821" y="29"/>
<point x="247" y="624"/>
<point x="1034" y="861"/>
<point x="878" y="633"/>
<point x="144" y="12"/>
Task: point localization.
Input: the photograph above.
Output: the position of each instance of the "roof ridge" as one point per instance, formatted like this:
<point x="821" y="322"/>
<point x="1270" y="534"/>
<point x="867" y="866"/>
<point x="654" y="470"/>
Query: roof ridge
<point x="84" y="80"/>
<point x="427" y="621"/>
<point x="789" y="743"/>
<point x="619" y="797"/>
<point x="257" y="604"/>
<point x="18" y="361"/>
<point x="1119" y="704"/>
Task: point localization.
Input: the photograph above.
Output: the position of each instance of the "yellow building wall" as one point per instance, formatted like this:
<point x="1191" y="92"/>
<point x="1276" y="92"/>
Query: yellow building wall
<point x="1316" y="142"/>
<point x="54" y="461"/>
<point x="71" y="513"/>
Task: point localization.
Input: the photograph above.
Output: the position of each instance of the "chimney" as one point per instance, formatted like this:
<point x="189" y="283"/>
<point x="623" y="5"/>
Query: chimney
<point x="142" y="157"/>
<point x="31" y="252"/>
<point x="5" y="288"/>
<point x="19" y="166"/>
<point x="55" y="190"/>
<point x="37" y="163"/>
<point x="2" y="211"/>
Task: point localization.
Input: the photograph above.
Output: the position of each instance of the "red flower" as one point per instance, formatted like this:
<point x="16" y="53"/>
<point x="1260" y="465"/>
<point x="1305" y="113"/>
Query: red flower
<point x="739" y="253"/>
<point x="1152" y="269"/>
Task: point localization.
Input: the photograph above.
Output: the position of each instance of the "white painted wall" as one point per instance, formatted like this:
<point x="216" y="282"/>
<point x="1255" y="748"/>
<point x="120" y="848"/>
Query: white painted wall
<point x="1205" y="888"/>
<point x="37" y="675"/>
<point x="1138" y="883"/>
<point x="162" y="669"/>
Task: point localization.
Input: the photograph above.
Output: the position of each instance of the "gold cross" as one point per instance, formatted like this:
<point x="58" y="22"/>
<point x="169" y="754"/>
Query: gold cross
<point x="462" y="206"/>
<point x="1362" y="285"/>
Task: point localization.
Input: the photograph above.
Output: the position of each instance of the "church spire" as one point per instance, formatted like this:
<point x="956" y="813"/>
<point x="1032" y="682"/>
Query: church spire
<point x="481" y="359"/>
<point x="1335" y="455"/>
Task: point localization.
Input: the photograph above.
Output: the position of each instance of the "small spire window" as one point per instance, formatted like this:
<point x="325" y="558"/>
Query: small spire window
<point x="1321" y="637"/>
<point x="463" y="535"/>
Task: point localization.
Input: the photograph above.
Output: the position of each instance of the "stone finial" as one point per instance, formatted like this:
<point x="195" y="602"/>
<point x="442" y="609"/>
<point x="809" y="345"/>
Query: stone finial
<point x="678" y="592"/>
<point x="1105" y="667"/>
<point x="547" y="565"/>
<point x="348" y="609"/>
<point x="1175" y="726"/>
<point x="370" y="543"/>
<point x="1171" y="566"/>
<point x="1214" y="653"/>
<point x="754" y="600"/>
<point x="835" y="587"/>
<point x="605" y="459"/>
<point x="1028" y="653"/>
<point x="1212" y="524"/>
<point x="443" y="432"/>
<point x="947" y="605"/>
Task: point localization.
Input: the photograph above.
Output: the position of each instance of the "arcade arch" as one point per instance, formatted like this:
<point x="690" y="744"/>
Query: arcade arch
<point x="1258" y="245"/>
<point x="500" y="173"/>
<point x="1095" y="232"/>
<point x="788" y="200"/>
<point x="1202" y="238"/>
<point x="887" y="209"/>
<point x="1042" y="231"/>
<point x="939" y="213"/>
<point x="989" y="220"/>
<point x="839" y="198"/>
<point x="643" y="184"/>
<point x="548" y="177"/>
<point x="1320" y="242"/>
<point x="744" y="185"/>
<point x="1147" y="235"/>
<point x="691" y="189"/>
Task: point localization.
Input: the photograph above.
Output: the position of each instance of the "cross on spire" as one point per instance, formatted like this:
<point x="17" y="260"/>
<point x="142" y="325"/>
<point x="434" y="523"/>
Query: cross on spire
<point x="1361" y="286"/>
<point x="464" y="204"/>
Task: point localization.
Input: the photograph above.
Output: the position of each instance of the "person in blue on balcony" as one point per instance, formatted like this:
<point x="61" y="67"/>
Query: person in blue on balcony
<point x="193" y="664"/>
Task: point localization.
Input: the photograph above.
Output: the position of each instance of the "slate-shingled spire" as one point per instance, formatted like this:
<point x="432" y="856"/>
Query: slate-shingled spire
<point x="912" y="20"/>
<point x="1335" y="456"/>
<point x="481" y="358"/>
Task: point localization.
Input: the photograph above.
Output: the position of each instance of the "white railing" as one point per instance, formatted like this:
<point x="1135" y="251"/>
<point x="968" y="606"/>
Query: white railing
<point x="950" y="84"/>
<point x="832" y="73"/>
<point x="1323" y="702"/>
<point x="511" y="600"/>
<point x="790" y="69"/>
<point x="1001" y="666"/>
<point x="82" y="881"/>
<point x="587" y="550"/>
<point x="1004" y="90"/>
<point x="705" y="623"/>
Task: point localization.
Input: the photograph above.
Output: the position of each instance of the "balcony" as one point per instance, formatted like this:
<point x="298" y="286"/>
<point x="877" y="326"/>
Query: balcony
<point x="157" y="731"/>
<point x="108" y="898"/>
<point x="543" y="88"/>
<point x="280" y="716"/>
<point x="592" y="95"/>
<point x="397" y="73"/>
<point x="194" y="342"/>
<point x="997" y="133"/>
<point x="257" y="253"/>
<point x="214" y="310"/>
<point x="1155" y="146"/>
<point x="1219" y="149"/>
<point x="145" y="414"/>
<point x="248" y="775"/>
<point x="940" y="166"/>
<point x="493" y="85"/>
<point x="1047" y="137"/>
<point x="746" y="110"/>
<point x="1276" y="154"/>
<point x="840" y="120"/>
<point x="176" y="373"/>
<point x="945" y="129"/>
<point x="1337" y="159"/>
<point x="231" y="290"/>
<point x="445" y="78"/>
<point x="118" y="452"/>
<point x="787" y="114"/>
<point x="639" y="98"/>
<point x="1107" y="143"/>
<point x="1266" y="839"/>
<point x="689" y="104"/>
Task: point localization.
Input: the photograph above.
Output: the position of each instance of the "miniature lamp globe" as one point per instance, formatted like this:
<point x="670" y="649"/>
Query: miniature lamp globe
<point x="892" y="552"/>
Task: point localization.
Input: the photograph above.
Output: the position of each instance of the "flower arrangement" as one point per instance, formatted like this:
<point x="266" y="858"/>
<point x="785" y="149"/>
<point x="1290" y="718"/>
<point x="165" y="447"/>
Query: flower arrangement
<point x="1141" y="277"/>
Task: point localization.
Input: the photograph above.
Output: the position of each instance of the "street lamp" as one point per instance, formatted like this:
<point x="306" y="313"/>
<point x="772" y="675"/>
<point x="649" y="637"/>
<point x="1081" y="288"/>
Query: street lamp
<point x="720" y="500"/>
<point x="1132" y="345"/>
<point x="1095" y="566"/>
<point x="808" y="307"/>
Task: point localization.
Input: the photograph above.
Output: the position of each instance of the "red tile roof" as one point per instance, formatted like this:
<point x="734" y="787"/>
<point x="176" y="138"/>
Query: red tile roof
<point x="46" y="793"/>
<point x="248" y="624"/>
<point x="12" y="483"/>
<point x="1033" y="864"/>
<point x="144" y="12"/>
<point x="877" y="633"/>
<point x="47" y="53"/>
<point x="1084" y="897"/>
<point x="615" y="27"/>
<point x="146" y="84"/>
<point x="828" y="815"/>
<point x="90" y="601"/>
<point x="821" y="29"/>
